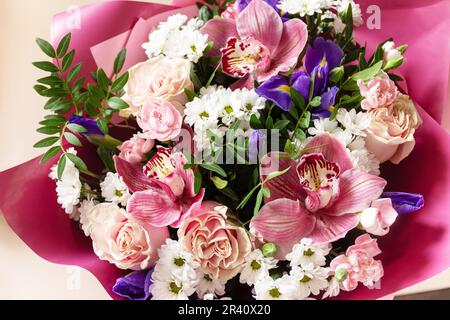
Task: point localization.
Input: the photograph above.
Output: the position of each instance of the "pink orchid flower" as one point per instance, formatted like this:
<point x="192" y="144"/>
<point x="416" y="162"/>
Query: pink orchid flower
<point x="318" y="198"/>
<point x="257" y="45"/>
<point x="163" y="191"/>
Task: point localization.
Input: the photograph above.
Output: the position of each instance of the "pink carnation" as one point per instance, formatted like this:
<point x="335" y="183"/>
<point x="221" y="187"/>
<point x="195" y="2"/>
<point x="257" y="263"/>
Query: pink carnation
<point x="378" y="92"/>
<point x="135" y="149"/>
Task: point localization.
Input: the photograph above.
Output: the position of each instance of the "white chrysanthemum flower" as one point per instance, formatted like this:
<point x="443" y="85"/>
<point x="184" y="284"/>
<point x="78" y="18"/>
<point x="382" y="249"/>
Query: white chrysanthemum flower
<point x="342" y="7"/>
<point x="174" y="261"/>
<point x="256" y="267"/>
<point x="217" y="109"/>
<point x="308" y="280"/>
<point x="69" y="187"/>
<point x="306" y="252"/>
<point x="171" y="288"/>
<point x="208" y="285"/>
<point x="337" y="24"/>
<point x="356" y="123"/>
<point x="324" y="125"/>
<point x="176" y="39"/>
<point x="304" y="7"/>
<point x="85" y="210"/>
<point x="333" y="290"/>
<point x="114" y="189"/>
<point x="362" y="158"/>
<point x="270" y="289"/>
<point x="211" y="297"/>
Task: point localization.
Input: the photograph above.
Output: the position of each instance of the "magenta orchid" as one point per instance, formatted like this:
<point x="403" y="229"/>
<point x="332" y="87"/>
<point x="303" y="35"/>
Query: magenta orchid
<point x="257" y="45"/>
<point x="163" y="191"/>
<point x="318" y="198"/>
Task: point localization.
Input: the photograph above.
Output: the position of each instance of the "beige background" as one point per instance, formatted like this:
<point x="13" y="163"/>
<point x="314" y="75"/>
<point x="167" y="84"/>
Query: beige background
<point x="23" y="274"/>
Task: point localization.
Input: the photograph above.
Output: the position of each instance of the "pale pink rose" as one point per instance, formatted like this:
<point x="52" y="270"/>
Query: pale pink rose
<point x="219" y="246"/>
<point x="122" y="241"/>
<point x="379" y="217"/>
<point x="358" y="264"/>
<point x="391" y="133"/>
<point x="378" y="92"/>
<point x="158" y="78"/>
<point x="135" y="149"/>
<point x="160" y="120"/>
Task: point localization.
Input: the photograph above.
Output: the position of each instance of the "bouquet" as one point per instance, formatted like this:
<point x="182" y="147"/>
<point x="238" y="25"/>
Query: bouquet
<point x="241" y="150"/>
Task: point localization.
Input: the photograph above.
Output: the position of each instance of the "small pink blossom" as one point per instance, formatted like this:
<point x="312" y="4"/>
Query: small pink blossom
<point x="358" y="264"/>
<point x="378" y="92"/>
<point x="230" y="12"/>
<point x="379" y="217"/>
<point x="135" y="149"/>
<point x="160" y="120"/>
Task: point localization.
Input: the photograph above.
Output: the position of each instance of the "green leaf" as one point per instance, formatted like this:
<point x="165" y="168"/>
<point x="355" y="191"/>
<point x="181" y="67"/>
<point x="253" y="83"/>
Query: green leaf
<point x="259" y="201"/>
<point x="107" y="158"/>
<point x="402" y="48"/>
<point x="297" y="99"/>
<point x="48" y="130"/>
<point x="300" y="135"/>
<point x="106" y="141"/>
<point x="117" y="103"/>
<point x="63" y="45"/>
<point x="103" y="126"/>
<point x="368" y="73"/>
<point x="393" y="63"/>
<point x="102" y="79"/>
<point x="50" y="81"/>
<point x="120" y="82"/>
<point x="315" y="102"/>
<point x="61" y="107"/>
<point x="266" y="192"/>
<point x="306" y="120"/>
<point x="47" y="142"/>
<point x="77" y="161"/>
<point x="52" y="152"/>
<point x="214" y="168"/>
<point x="53" y="122"/>
<point x="67" y="60"/>
<point x="56" y="92"/>
<point x="190" y="94"/>
<point x="76" y="128"/>
<point x="40" y="90"/>
<point x="269" y="123"/>
<point x="72" y="139"/>
<point x="255" y="122"/>
<point x="219" y="183"/>
<point x="120" y="61"/>
<point x="96" y="91"/>
<point x="337" y="74"/>
<point x="46" y="66"/>
<point x="46" y="47"/>
<point x="61" y="166"/>
<point x="204" y="14"/>
<point x="198" y="181"/>
<point x="281" y="124"/>
<point x="73" y="73"/>
<point x="195" y="80"/>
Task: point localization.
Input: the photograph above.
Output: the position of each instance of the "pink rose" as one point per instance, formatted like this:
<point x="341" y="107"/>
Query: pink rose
<point x="390" y="135"/>
<point x="135" y="149"/>
<point x="158" y="78"/>
<point x="220" y="247"/>
<point x="358" y="264"/>
<point x="160" y="120"/>
<point x="378" y="92"/>
<point x="122" y="241"/>
<point x="378" y="219"/>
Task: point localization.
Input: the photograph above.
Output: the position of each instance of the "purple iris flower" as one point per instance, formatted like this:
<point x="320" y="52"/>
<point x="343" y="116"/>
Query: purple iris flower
<point x="242" y="4"/>
<point x="89" y="124"/>
<point x="135" y="286"/>
<point x="302" y="83"/>
<point x="278" y="91"/>
<point x="405" y="203"/>
<point x="326" y="104"/>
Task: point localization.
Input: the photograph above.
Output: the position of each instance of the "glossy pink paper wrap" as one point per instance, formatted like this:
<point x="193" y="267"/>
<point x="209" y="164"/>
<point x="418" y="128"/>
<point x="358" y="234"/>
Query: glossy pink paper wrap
<point x="418" y="246"/>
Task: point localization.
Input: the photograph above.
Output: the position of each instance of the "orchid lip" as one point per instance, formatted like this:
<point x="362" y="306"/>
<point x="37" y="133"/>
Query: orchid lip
<point x="162" y="165"/>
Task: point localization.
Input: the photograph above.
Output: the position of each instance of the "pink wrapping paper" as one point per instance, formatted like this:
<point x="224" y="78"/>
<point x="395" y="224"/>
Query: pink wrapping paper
<point x="418" y="246"/>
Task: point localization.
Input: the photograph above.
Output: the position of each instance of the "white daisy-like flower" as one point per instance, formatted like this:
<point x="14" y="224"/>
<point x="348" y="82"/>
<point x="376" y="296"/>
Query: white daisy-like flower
<point x="356" y="123"/>
<point x="362" y="158"/>
<point x="114" y="189"/>
<point x="304" y="7"/>
<point x="333" y="290"/>
<point x="171" y="288"/>
<point x="308" y="280"/>
<point x="306" y="252"/>
<point x="176" y="39"/>
<point x="174" y="261"/>
<point x="337" y="24"/>
<point x="208" y="285"/>
<point x="342" y="6"/>
<point x="69" y="187"/>
<point x="269" y="289"/>
<point x="211" y="297"/>
<point x="256" y="267"/>
<point x="85" y="210"/>
<point x="324" y="125"/>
